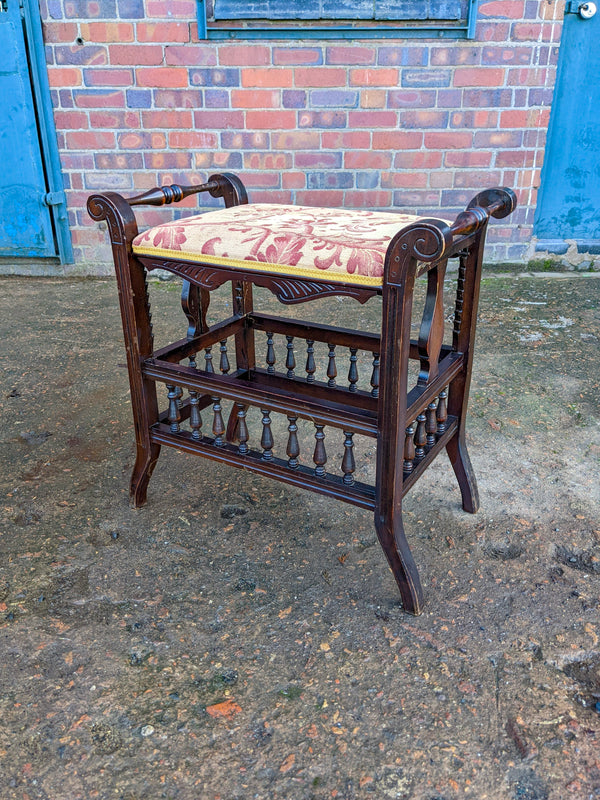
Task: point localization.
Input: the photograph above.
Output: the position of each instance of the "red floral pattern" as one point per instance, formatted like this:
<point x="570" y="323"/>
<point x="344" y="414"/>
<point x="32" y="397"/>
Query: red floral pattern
<point x="349" y="241"/>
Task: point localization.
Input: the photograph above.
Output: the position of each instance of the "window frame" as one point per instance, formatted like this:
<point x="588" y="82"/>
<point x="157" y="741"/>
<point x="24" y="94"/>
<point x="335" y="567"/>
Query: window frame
<point x="344" y="30"/>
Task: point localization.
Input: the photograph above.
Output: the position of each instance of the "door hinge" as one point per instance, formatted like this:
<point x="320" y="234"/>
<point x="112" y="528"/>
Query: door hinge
<point x="54" y="198"/>
<point x="572" y="7"/>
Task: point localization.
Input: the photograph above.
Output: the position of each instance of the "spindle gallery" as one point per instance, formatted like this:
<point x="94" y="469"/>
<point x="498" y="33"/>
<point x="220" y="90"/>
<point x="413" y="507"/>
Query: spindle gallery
<point x="299" y="254"/>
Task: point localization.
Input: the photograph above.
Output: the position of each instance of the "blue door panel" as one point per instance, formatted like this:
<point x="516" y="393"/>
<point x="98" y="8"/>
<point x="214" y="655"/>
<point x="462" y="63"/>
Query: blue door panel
<point x="569" y="200"/>
<point x="25" y="220"/>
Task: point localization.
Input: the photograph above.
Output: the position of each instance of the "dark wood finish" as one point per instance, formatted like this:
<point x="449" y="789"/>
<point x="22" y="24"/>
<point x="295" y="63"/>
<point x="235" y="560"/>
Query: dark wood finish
<point x="412" y="424"/>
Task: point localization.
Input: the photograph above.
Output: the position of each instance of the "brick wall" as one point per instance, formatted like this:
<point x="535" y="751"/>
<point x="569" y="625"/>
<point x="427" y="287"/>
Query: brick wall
<point x="414" y="124"/>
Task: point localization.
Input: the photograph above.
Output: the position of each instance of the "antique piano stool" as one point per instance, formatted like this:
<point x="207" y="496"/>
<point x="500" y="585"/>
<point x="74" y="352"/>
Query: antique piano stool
<point x="299" y="254"/>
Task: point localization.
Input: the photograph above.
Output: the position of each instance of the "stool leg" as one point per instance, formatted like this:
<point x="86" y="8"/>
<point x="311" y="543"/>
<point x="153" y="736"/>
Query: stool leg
<point x="146" y="458"/>
<point x="461" y="464"/>
<point x="195" y="302"/>
<point x="244" y="345"/>
<point x="390" y="532"/>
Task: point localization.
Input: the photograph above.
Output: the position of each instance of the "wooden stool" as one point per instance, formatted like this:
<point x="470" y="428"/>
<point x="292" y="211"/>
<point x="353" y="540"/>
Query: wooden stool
<point x="299" y="254"/>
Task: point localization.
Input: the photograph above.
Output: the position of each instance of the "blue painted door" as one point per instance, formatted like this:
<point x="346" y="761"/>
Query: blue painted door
<point x="569" y="200"/>
<point x="26" y="228"/>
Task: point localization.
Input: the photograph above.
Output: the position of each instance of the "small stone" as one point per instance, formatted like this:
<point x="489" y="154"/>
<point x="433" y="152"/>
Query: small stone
<point x="231" y="511"/>
<point x="147" y="730"/>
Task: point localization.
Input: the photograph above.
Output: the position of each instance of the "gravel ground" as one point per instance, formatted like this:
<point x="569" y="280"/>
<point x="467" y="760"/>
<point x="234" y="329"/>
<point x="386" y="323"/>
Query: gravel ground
<point x="237" y="638"/>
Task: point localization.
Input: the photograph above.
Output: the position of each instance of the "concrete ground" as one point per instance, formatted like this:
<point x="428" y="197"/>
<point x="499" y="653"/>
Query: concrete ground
<point x="237" y="638"/>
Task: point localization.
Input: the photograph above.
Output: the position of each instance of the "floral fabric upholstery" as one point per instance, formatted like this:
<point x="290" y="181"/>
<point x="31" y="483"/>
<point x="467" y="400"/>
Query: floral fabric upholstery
<point x="336" y="244"/>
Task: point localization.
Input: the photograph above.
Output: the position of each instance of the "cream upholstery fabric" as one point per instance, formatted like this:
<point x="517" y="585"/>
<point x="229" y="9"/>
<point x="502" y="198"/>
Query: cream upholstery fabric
<point x="336" y="244"/>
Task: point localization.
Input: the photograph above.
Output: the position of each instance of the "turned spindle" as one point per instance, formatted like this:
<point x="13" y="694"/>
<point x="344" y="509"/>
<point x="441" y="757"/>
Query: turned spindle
<point x="320" y="456"/>
<point x="442" y="412"/>
<point x="420" y="437"/>
<point x="218" y="427"/>
<point x="174" y="415"/>
<point x="290" y="359"/>
<point x="331" y="367"/>
<point x="224" y="362"/>
<point x="375" y="376"/>
<point x="192" y="361"/>
<point x="310" y="361"/>
<point x="353" y="371"/>
<point x="431" y="423"/>
<point x="195" y="418"/>
<point x="409" y="448"/>
<point x="270" y="354"/>
<point x="208" y="360"/>
<point x="348" y="463"/>
<point x="242" y="429"/>
<point x="266" y="440"/>
<point x="293" y="447"/>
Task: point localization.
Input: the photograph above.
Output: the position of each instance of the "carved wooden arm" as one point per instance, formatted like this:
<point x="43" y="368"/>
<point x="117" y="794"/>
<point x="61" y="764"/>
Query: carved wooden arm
<point x="224" y="185"/>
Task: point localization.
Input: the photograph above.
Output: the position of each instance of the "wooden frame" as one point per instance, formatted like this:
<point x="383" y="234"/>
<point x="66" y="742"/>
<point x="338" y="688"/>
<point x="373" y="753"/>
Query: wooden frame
<point x="410" y="426"/>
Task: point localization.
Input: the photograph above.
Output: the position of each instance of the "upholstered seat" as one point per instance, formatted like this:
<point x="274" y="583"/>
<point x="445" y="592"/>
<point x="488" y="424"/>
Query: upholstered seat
<point x="339" y="244"/>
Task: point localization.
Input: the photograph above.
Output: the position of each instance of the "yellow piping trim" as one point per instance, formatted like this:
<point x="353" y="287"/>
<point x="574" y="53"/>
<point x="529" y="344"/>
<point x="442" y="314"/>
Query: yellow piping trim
<point x="260" y="266"/>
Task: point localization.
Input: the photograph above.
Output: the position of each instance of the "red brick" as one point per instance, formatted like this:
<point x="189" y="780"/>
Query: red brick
<point x="180" y="9"/>
<point x="324" y="198"/>
<point x="137" y="140"/>
<point x="91" y="140"/>
<point x="58" y="32"/>
<point x="479" y="76"/>
<point x="270" y="120"/>
<point x="404" y="180"/>
<point x="320" y="158"/>
<point x="167" y="77"/>
<point x="177" y="98"/>
<point x="448" y="140"/>
<point x="163" y="32"/>
<point x="506" y="55"/>
<point x="219" y="120"/>
<point x="319" y="77"/>
<point x="512" y="9"/>
<point x="295" y="140"/>
<point x="418" y="159"/>
<point x="363" y="159"/>
<point x="397" y="140"/>
<point x="493" y="31"/>
<point x="373" y="77"/>
<point x="527" y="31"/>
<point x="514" y="118"/>
<point x="192" y="140"/>
<point x="467" y="158"/>
<point x="255" y="98"/>
<point x="270" y="196"/>
<point x="191" y="55"/>
<point x="168" y="160"/>
<point x="70" y="120"/>
<point x="115" y="120"/>
<point x="498" y="139"/>
<point x="346" y="140"/>
<point x="100" y="99"/>
<point x="471" y="179"/>
<point x="297" y="55"/>
<point x="167" y="119"/>
<point x="528" y="77"/>
<point x="244" y="55"/>
<point x="455" y="55"/>
<point x="135" y="55"/>
<point x="424" y="119"/>
<point x="474" y="119"/>
<point x="108" y="77"/>
<point x="293" y="180"/>
<point x="515" y="158"/>
<point x="106" y="32"/>
<point x="273" y="77"/>
<point x="117" y="161"/>
<point x="370" y="198"/>
<point x="373" y="98"/>
<point x="342" y="54"/>
<point x="444" y="179"/>
<point x="372" y="119"/>
<point x="62" y="77"/>
<point x="267" y="161"/>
